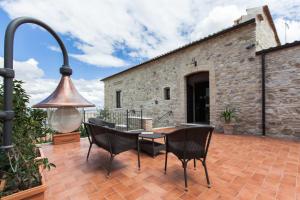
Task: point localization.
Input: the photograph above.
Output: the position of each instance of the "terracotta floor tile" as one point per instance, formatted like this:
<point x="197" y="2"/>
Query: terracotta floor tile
<point x="97" y="196"/>
<point x="239" y="167"/>
<point x="188" y="196"/>
<point x="265" y="197"/>
<point x="114" y="196"/>
<point x="209" y="194"/>
<point x="135" y="194"/>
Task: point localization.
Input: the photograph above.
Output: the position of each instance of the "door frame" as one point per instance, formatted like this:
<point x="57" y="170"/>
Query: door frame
<point x="186" y="79"/>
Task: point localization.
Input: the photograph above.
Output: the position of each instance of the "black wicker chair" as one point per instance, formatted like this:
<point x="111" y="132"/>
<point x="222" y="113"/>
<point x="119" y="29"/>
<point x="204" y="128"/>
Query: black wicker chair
<point x="113" y="141"/>
<point x="187" y="144"/>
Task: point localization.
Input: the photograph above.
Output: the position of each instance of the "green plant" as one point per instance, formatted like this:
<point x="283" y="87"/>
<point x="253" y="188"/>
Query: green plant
<point x="19" y="166"/>
<point x="104" y="114"/>
<point x="82" y="131"/>
<point x="228" y="114"/>
<point x="38" y="127"/>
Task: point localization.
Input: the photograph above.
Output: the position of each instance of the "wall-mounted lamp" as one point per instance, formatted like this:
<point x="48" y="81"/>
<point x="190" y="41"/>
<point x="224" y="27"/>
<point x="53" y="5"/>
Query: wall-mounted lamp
<point x="194" y="62"/>
<point x="250" y="46"/>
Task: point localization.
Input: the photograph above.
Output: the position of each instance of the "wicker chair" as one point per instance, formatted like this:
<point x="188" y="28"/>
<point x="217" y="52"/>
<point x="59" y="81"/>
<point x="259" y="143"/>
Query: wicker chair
<point x="113" y="141"/>
<point x="189" y="144"/>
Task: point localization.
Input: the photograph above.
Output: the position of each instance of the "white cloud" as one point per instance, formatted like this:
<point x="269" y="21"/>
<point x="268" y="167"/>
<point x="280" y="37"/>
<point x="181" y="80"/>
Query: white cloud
<point x="95" y="59"/>
<point x="39" y="87"/>
<point x="144" y="28"/>
<point x="54" y="48"/>
<point x="291" y="33"/>
<point x="217" y="19"/>
<point x="26" y="70"/>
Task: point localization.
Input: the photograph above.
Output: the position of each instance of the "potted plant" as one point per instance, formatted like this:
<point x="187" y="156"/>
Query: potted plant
<point x="21" y="167"/>
<point x="228" y="115"/>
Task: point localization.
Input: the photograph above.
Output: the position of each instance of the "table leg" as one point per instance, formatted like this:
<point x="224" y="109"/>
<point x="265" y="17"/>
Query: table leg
<point x="153" y="153"/>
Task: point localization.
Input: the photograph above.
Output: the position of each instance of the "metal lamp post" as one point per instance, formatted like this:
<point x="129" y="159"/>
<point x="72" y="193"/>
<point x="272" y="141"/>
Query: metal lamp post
<point x="64" y="97"/>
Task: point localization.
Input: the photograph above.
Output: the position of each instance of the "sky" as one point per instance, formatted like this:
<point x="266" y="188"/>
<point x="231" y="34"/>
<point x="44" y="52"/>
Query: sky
<point x="104" y="37"/>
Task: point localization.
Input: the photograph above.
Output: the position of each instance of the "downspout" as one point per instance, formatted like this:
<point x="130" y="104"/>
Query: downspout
<point x="263" y="93"/>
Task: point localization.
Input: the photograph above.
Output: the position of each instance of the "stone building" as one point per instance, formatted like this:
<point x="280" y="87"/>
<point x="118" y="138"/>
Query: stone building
<point x="243" y="66"/>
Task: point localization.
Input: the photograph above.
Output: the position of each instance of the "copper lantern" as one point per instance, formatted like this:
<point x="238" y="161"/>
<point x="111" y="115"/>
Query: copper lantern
<point x="63" y="114"/>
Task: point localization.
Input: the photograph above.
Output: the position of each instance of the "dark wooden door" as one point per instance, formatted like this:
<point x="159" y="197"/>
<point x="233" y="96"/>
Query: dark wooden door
<point x="202" y="102"/>
<point x="190" y="104"/>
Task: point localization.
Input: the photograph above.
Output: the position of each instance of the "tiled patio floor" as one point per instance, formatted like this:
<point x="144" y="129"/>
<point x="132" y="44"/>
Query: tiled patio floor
<point x="240" y="167"/>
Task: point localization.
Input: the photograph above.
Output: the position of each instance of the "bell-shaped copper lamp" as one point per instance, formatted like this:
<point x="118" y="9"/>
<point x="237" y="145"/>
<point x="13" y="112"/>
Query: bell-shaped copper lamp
<point x="63" y="116"/>
<point x="62" y="105"/>
<point x="65" y="95"/>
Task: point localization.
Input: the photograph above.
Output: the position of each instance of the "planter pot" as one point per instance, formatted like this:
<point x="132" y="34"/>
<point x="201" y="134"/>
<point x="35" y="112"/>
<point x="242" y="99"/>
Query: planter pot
<point x="35" y="193"/>
<point x="2" y="184"/>
<point x="41" y="154"/>
<point x="228" y="128"/>
<point x="63" y="138"/>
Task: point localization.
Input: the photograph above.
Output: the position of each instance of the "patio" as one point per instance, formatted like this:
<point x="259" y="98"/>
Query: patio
<point x="240" y="167"/>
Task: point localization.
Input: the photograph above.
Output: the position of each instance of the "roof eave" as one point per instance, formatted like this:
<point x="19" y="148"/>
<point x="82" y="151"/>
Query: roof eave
<point x="281" y="47"/>
<point x="251" y="21"/>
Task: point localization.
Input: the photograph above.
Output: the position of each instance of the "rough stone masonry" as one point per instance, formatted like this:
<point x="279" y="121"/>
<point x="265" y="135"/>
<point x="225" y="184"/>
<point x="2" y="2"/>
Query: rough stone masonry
<point x="234" y="66"/>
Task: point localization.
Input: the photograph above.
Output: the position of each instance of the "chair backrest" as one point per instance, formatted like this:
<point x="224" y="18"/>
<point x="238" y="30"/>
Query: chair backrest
<point x="88" y="131"/>
<point x="96" y="135"/>
<point x="112" y="140"/>
<point x="190" y="142"/>
<point x="122" y="141"/>
<point x="101" y="122"/>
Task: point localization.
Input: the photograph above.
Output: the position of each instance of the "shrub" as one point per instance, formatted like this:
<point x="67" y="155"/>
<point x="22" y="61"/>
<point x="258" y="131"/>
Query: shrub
<point x="19" y="166"/>
<point x="82" y="131"/>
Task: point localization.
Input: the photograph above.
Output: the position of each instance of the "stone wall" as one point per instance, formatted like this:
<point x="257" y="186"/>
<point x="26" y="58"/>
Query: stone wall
<point x="283" y="92"/>
<point x="265" y="37"/>
<point x="234" y="73"/>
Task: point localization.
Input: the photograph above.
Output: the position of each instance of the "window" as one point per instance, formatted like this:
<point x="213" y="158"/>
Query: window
<point x="118" y="99"/>
<point x="167" y="93"/>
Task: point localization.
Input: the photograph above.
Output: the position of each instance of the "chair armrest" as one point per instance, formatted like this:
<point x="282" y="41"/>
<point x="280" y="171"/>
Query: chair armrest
<point x="164" y="134"/>
<point x="127" y="134"/>
<point x="134" y="132"/>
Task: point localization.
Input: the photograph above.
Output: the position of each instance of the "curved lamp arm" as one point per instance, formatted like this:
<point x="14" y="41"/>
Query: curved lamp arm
<point x="10" y="35"/>
<point x="8" y="73"/>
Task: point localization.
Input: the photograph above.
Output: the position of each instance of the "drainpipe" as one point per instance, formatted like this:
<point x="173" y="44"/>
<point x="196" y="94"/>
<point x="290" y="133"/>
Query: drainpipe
<point x="263" y="93"/>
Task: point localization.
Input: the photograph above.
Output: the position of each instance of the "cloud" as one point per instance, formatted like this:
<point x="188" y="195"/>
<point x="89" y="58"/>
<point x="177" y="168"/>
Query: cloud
<point x="217" y="19"/>
<point x="39" y="87"/>
<point x="95" y="59"/>
<point x="141" y="29"/>
<point x="292" y="30"/>
<point x="54" y="48"/>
